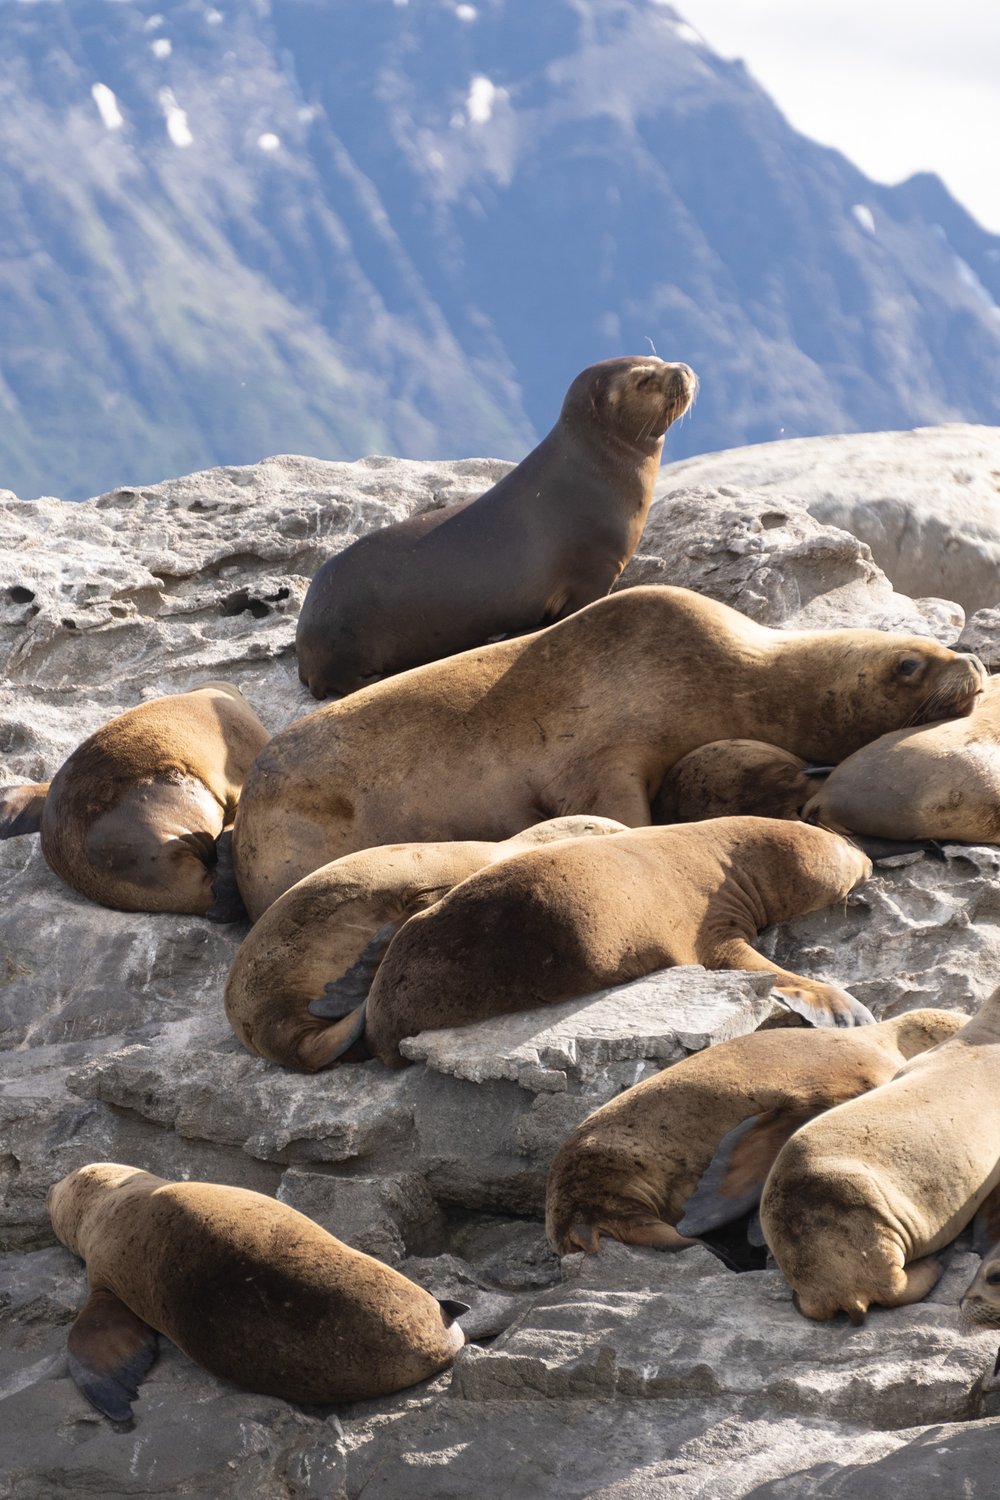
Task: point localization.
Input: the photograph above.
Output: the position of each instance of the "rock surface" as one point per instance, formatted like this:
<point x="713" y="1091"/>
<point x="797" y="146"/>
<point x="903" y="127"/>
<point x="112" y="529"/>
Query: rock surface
<point x="637" y="1375"/>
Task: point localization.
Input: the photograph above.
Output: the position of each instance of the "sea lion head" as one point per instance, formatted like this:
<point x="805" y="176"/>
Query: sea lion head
<point x="727" y="778"/>
<point x="637" y="397"/>
<point x="72" y="1200"/>
<point x="599" y="1187"/>
<point x="980" y="1304"/>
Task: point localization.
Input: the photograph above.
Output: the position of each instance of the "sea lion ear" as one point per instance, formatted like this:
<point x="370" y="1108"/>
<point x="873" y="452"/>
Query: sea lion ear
<point x="21" y="808"/>
<point x="110" y="1352"/>
<point x="733" y="1181"/>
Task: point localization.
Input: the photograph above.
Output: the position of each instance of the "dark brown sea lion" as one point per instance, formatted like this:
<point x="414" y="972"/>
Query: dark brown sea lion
<point x="730" y="778"/>
<point x="941" y="781"/>
<point x="584" y="717"/>
<point x="134" y="817"/>
<point x="860" y="1201"/>
<point x="321" y="941"/>
<point x="248" y="1288"/>
<point x="567" y="919"/>
<point x="552" y="535"/>
<point x="693" y="1145"/>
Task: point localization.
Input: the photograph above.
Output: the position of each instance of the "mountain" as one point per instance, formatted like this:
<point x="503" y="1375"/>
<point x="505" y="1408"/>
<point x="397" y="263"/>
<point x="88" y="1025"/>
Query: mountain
<point x="336" y="227"/>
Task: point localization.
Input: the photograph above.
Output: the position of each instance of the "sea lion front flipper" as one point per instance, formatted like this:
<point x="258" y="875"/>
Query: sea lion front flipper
<point x="986" y="1224"/>
<point x="342" y="995"/>
<point x="733" y="1181"/>
<point x="110" y="1352"/>
<point x="821" y="1004"/>
<point x="21" y="808"/>
<point x="228" y="903"/>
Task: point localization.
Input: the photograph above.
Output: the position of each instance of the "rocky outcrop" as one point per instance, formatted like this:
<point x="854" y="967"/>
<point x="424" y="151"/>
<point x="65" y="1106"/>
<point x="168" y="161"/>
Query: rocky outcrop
<point x="636" y="1374"/>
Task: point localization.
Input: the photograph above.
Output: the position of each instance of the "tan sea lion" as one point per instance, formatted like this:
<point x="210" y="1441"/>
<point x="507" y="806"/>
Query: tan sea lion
<point x="552" y="535"/>
<point x="313" y="954"/>
<point x="980" y="1303"/>
<point x="567" y="919"/>
<point x="860" y="1200"/>
<point x="584" y="717"/>
<point x="693" y="1145"/>
<point x="134" y="818"/>
<point x="730" y="778"/>
<point x="247" y="1287"/>
<point x="941" y="781"/>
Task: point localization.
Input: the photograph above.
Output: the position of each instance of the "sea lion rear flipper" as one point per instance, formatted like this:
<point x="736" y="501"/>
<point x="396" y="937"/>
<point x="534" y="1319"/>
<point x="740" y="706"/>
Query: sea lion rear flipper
<point x="342" y="995"/>
<point x="880" y="849"/>
<point x="228" y="903"/>
<point x="733" y="1181"/>
<point x="21" y="808"/>
<point x="110" y="1352"/>
<point x="809" y="1000"/>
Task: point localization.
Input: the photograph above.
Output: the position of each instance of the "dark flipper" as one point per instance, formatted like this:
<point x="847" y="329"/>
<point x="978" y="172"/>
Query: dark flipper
<point x="21" y="808"/>
<point x="880" y="849"/>
<point x="341" y="1038"/>
<point x="454" y="1309"/>
<point x="733" y="1245"/>
<point x="110" y="1352"/>
<point x="346" y="993"/>
<point x="733" y="1181"/>
<point x="228" y="904"/>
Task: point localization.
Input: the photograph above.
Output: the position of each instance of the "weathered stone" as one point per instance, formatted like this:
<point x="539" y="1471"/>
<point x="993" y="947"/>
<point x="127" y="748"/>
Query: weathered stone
<point x="388" y="1217"/>
<point x="981" y="636"/>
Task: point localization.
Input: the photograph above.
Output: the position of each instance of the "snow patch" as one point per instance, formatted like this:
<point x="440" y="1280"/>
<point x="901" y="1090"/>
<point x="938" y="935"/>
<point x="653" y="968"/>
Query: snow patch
<point x="482" y="96"/>
<point x="864" y="216"/>
<point x="162" y="47"/>
<point x="466" y="12"/>
<point x="107" y="106"/>
<point x="269" y="141"/>
<point x="176" y="118"/>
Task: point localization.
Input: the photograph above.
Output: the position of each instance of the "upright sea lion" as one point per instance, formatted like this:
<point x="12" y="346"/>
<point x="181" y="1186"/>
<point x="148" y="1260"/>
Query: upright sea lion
<point x="714" y="1122"/>
<point x="134" y="817"/>
<point x="321" y="941"/>
<point x="553" y="535"/>
<point x="585" y="717"/>
<point x="730" y="778"/>
<point x="247" y="1287"/>
<point x="567" y="919"/>
<point x="941" y="781"/>
<point x="859" y="1201"/>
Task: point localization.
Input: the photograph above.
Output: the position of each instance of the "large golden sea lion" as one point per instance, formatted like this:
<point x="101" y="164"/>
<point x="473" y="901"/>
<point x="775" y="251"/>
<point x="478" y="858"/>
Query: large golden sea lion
<point x="551" y="536"/>
<point x="693" y="1145"/>
<point x="134" y="818"/>
<point x="860" y="1201"/>
<point x="585" y="717"/>
<point x="570" y="918"/>
<point x="247" y="1287"/>
<point x="313" y="954"/>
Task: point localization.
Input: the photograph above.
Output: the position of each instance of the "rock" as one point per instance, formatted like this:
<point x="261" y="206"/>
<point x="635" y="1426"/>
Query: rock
<point x="926" y="502"/>
<point x="982" y="637"/>
<point x="387" y="1217"/>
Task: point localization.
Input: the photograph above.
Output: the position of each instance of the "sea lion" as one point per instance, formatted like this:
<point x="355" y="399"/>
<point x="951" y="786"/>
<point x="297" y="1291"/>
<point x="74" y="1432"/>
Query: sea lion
<point x="134" y="818"/>
<point x="980" y="1302"/>
<point x="729" y="778"/>
<point x="323" y="939"/>
<point x="860" y="1200"/>
<point x="584" y="717"/>
<point x="693" y="1145"/>
<point x="552" y="535"/>
<point x="247" y="1287"/>
<point x="941" y="781"/>
<point x="570" y="918"/>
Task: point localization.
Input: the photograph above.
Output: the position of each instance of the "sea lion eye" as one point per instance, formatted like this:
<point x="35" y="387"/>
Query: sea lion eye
<point x="910" y="666"/>
<point x="993" y="1279"/>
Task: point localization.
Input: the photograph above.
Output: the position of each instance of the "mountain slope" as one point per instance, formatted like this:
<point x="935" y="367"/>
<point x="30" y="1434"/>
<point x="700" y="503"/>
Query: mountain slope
<point x="314" y="225"/>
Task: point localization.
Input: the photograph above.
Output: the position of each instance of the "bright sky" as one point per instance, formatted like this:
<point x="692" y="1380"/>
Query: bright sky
<point x="899" y="86"/>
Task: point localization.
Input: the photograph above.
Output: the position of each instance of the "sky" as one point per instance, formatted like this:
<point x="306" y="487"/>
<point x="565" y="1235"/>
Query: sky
<point x="899" y="86"/>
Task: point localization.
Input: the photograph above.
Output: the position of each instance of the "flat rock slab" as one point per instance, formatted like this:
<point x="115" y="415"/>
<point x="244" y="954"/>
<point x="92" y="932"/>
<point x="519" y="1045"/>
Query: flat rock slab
<point x="658" y="1019"/>
<point x="690" y="1328"/>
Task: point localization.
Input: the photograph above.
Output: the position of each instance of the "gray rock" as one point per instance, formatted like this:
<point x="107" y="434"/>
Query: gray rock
<point x="982" y="637"/>
<point x="387" y="1217"/>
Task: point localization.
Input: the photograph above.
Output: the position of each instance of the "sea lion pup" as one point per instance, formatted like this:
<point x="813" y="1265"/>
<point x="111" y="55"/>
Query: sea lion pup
<point x="729" y="778"/>
<point x="859" y="1201"/>
<point x="939" y="782"/>
<point x="693" y="1145"/>
<point x="321" y="941"/>
<point x="551" y="536"/>
<point x="584" y="717"/>
<point x="562" y="921"/>
<point x="247" y="1287"/>
<point x="134" y="818"/>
